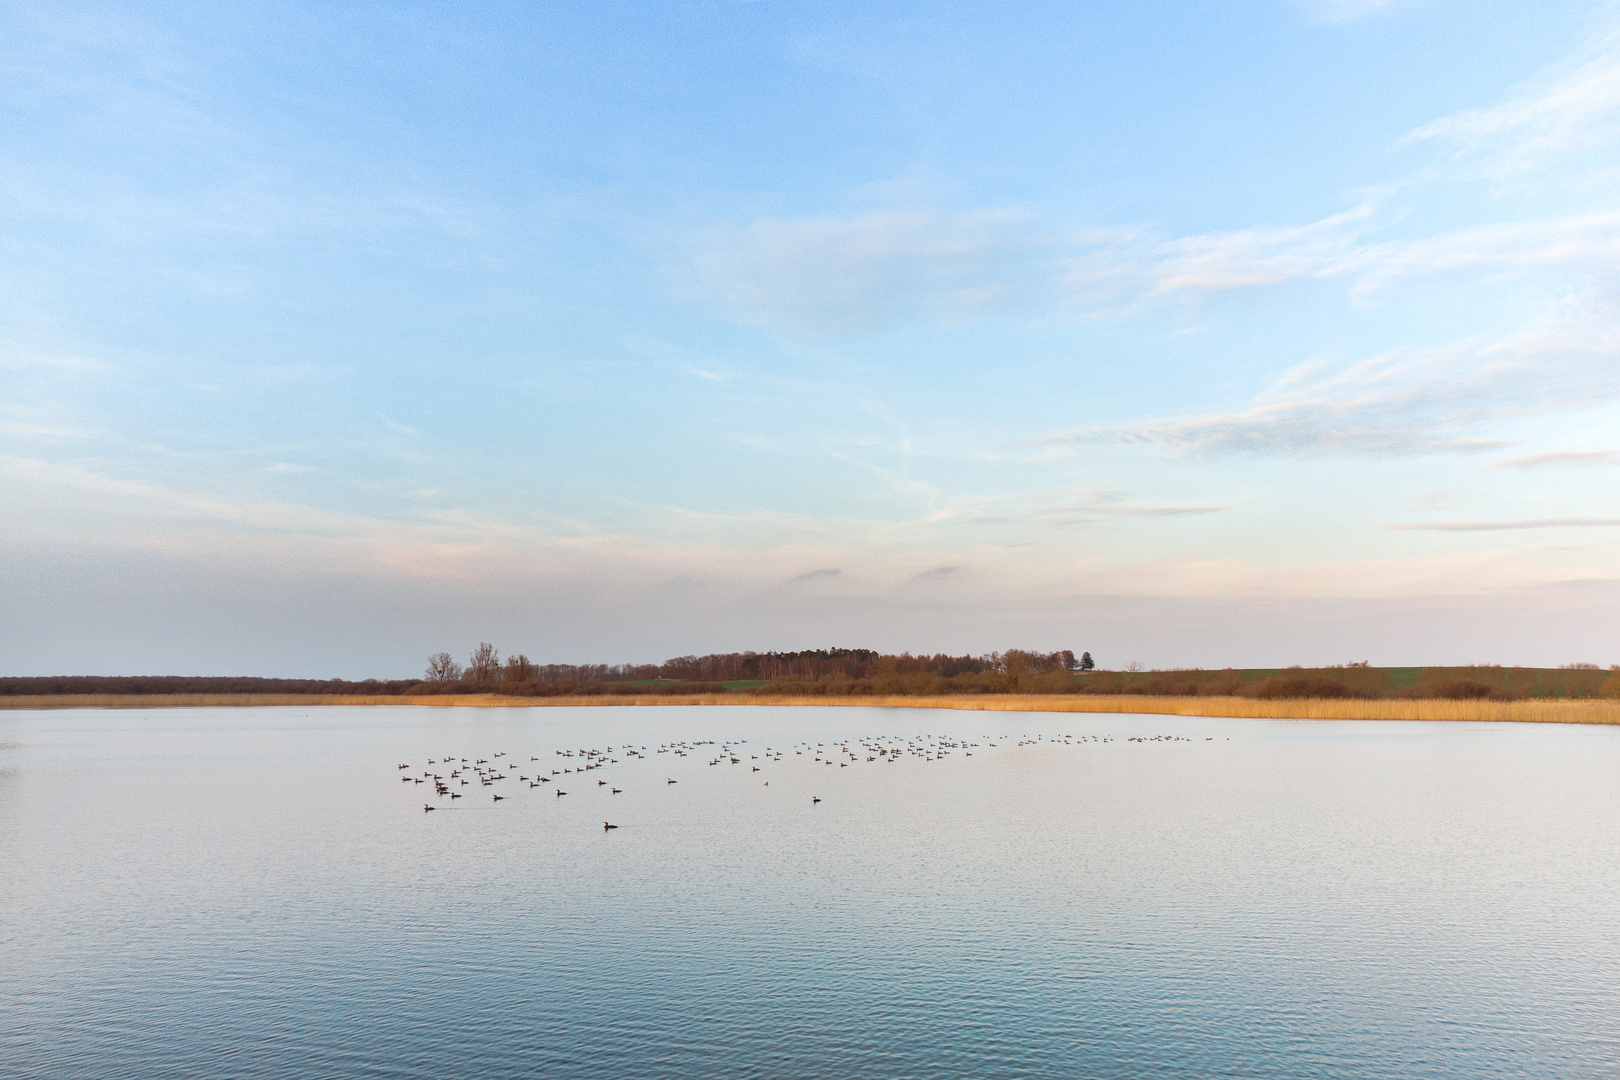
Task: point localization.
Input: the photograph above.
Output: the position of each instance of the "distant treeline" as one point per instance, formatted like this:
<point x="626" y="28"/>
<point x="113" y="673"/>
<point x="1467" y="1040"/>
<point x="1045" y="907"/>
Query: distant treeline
<point x="485" y="672"/>
<point x="485" y="667"/>
<point x="184" y="684"/>
<point x="820" y="670"/>
<point x="140" y="685"/>
<point x="866" y="672"/>
<point x="1453" y="683"/>
<point x="846" y="672"/>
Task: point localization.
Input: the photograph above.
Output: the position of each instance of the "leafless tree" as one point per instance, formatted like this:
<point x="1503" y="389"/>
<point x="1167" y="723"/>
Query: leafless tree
<point x="519" y="669"/>
<point x="442" y="667"/>
<point x="484" y="665"/>
<point x="1013" y="664"/>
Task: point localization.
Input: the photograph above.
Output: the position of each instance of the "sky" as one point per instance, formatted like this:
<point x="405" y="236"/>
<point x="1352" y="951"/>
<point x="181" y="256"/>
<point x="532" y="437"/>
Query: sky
<point x="1241" y="334"/>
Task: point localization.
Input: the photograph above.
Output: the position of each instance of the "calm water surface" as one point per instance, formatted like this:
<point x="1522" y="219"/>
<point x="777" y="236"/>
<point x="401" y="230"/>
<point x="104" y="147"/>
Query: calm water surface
<point x="255" y="893"/>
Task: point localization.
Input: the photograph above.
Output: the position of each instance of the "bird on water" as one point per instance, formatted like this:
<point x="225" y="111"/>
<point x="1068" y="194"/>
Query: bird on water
<point x="606" y="826"/>
<point x="925" y="747"/>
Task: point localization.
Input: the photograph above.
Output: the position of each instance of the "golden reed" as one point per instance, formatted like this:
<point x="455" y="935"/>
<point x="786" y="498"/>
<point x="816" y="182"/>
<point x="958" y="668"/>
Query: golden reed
<point x="1533" y="712"/>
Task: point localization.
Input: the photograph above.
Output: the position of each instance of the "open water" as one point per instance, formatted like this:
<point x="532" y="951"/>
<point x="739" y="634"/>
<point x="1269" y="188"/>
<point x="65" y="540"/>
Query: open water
<point x="257" y="893"/>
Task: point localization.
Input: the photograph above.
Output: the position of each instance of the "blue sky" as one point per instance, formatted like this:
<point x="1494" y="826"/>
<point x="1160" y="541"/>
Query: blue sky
<point x="1256" y="334"/>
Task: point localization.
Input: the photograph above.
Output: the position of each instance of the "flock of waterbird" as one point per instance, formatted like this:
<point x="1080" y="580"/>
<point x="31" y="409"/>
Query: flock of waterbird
<point x="449" y="773"/>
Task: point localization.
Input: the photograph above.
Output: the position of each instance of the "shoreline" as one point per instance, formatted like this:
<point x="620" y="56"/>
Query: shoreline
<point x="1534" y="711"/>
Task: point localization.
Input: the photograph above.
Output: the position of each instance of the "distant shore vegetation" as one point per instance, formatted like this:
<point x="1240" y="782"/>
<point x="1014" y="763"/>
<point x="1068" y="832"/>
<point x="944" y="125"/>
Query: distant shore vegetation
<point x="866" y="673"/>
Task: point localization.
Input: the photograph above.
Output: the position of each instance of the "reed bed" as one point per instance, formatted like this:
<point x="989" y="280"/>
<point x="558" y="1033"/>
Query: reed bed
<point x="1531" y="712"/>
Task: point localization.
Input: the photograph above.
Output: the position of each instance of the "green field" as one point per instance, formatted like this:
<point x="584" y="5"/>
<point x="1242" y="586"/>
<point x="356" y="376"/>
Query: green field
<point x="1475" y="681"/>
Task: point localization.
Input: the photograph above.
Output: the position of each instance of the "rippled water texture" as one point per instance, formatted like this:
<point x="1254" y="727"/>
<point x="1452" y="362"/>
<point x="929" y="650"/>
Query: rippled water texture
<point x="256" y="893"/>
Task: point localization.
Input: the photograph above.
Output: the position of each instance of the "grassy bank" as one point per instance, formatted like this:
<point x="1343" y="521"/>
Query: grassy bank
<point x="1533" y="711"/>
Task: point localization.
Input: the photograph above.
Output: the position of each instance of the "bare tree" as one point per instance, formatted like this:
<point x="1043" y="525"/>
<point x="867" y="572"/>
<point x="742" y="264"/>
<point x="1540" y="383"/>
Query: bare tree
<point x="484" y="665"/>
<point x="442" y="667"/>
<point x="1013" y="664"/>
<point x="519" y="669"/>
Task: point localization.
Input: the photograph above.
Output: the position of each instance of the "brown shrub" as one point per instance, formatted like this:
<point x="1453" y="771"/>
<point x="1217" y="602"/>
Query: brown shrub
<point x="1461" y="690"/>
<point x="1168" y="685"/>
<point x="1298" y="686"/>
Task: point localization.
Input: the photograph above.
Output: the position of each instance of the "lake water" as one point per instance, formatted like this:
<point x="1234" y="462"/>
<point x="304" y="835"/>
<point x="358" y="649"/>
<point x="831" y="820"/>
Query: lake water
<point x="258" y="893"/>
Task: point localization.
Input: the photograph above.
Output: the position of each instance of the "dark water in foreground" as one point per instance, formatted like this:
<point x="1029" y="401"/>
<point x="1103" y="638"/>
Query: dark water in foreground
<point x="255" y="893"/>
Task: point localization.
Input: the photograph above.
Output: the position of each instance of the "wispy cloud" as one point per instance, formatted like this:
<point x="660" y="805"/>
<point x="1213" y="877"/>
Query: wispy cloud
<point x="1564" y="111"/>
<point x="1584" y="242"/>
<point x="1134" y="267"/>
<point x="1562" y="459"/>
<point x="817" y="575"/>
<point x="1496" y="526"/>
<point x="1061" y="508"/>
<point x="165" y="500"/>
<point x="446" y="543"/>
<point x="1087" y="513"/>
<point x="55" y="364"/>
<point x="898" y="480"/>
<point x="1083" y="512"/>
<point x="40" y="422"/>
<point x="1219" y="261"/>
<point x="829" y="276"/>
<point x="1405" y="402"/>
